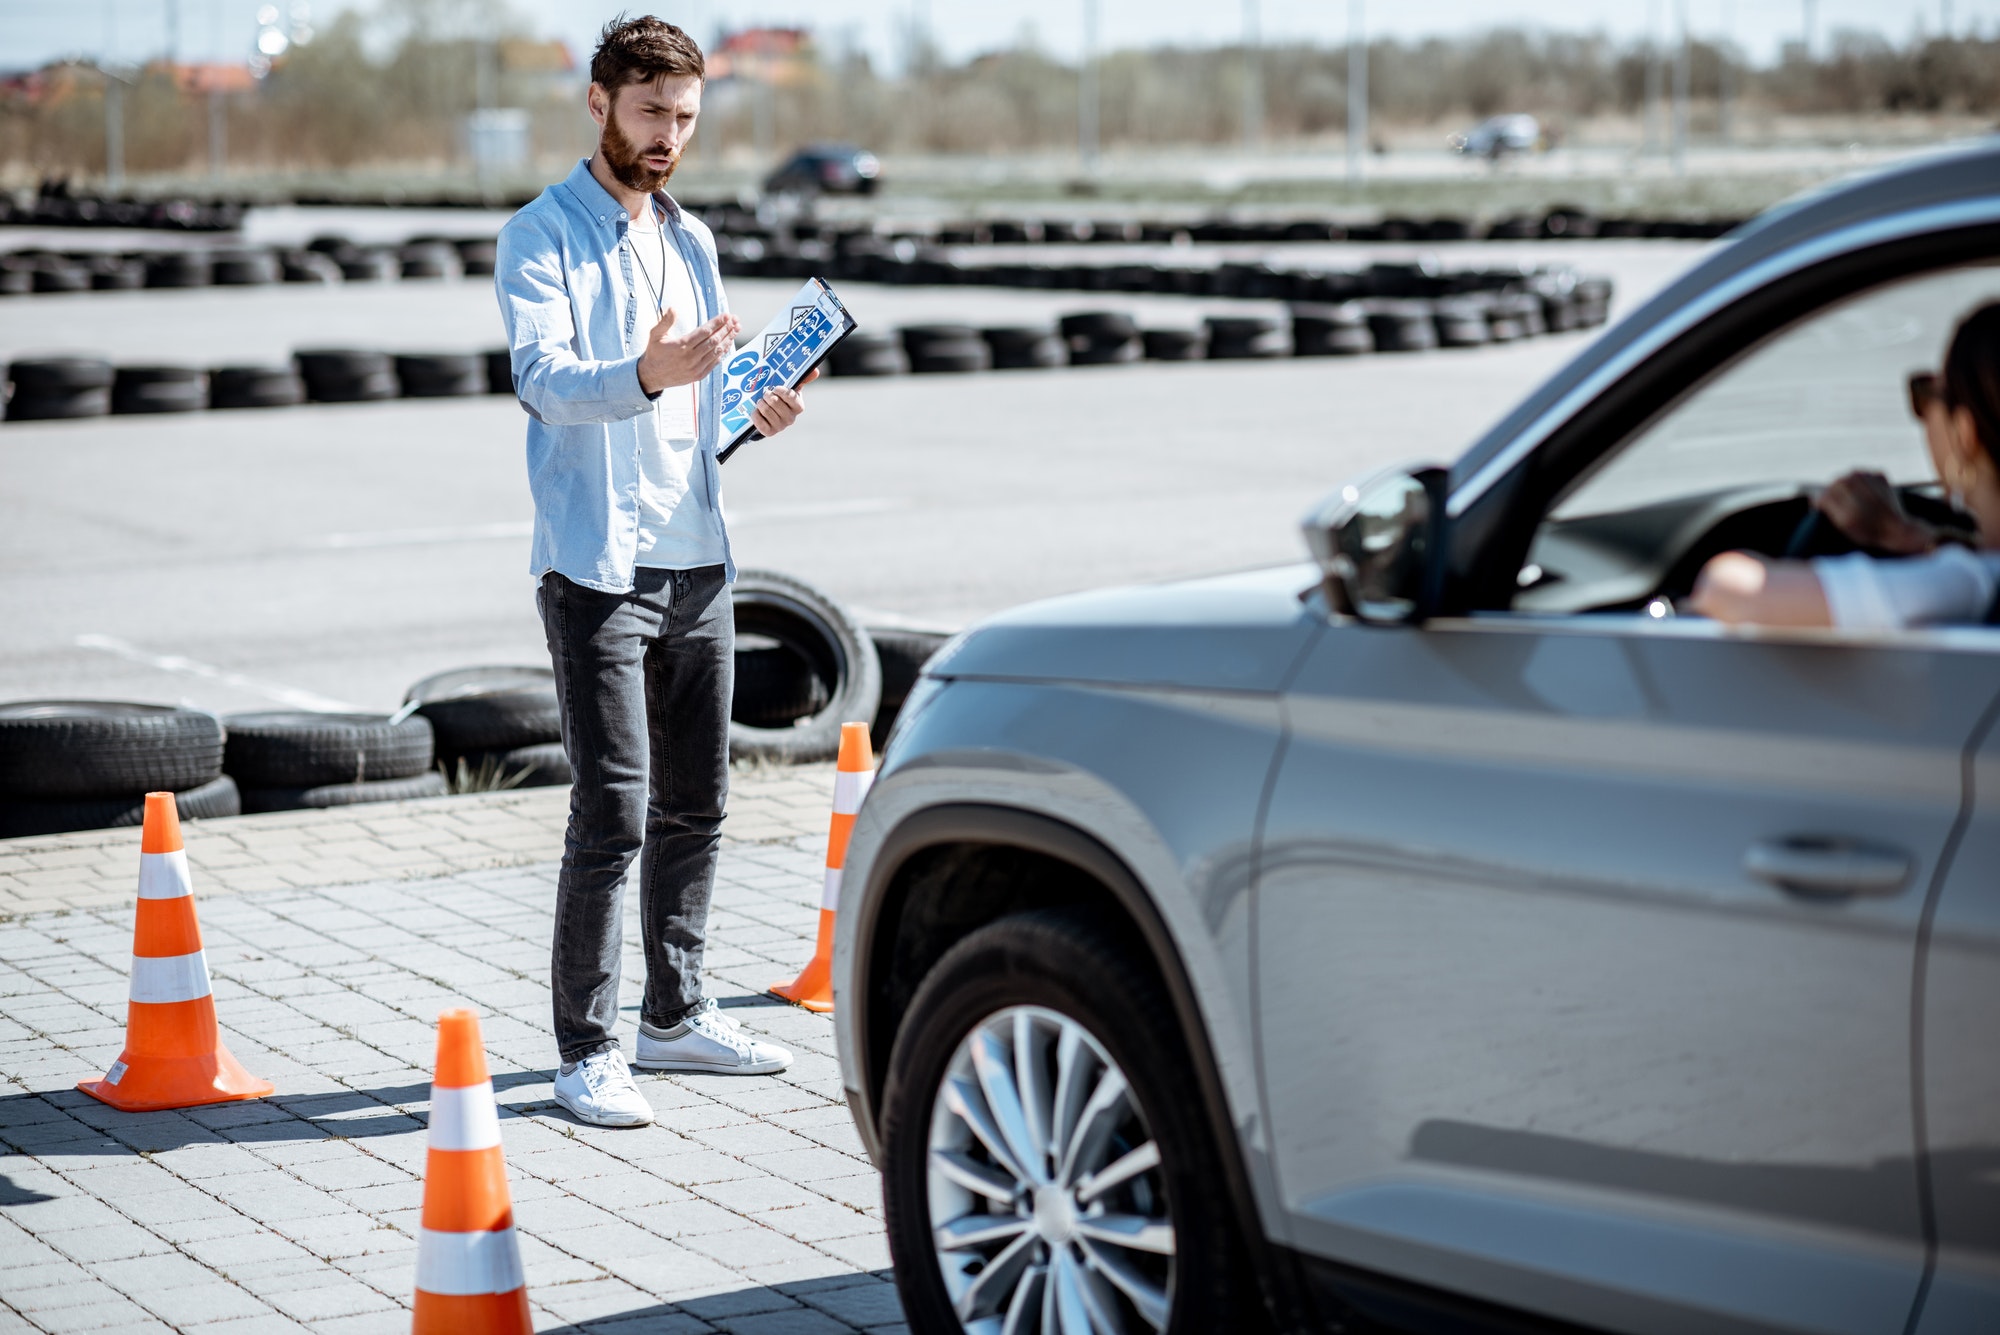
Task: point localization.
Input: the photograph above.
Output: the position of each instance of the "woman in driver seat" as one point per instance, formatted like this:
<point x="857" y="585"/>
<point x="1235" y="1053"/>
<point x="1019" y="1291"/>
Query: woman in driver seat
<point x="1943" y="581"/>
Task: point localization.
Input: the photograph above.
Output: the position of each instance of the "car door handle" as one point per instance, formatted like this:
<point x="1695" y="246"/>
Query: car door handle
<point x="1824" y="868"/>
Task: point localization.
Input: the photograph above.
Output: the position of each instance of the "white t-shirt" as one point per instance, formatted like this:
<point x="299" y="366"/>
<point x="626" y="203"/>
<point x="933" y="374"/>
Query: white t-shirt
<point x="678" y="529"/>
<point x="1952" y="585"/>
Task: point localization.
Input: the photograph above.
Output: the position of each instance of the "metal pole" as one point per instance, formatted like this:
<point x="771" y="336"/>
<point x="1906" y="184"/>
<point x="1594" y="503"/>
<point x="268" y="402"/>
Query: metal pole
<point x="218" y="132"/>
<point x="114" y="131"/>
<point x="1253" y="90"/>
<point x="1653" y="80"/>
<point x="1725" y="92"/>
<point x="1086" y="93"/>
<point x="1683" y="78"/>
<point x="1357" y="91"/>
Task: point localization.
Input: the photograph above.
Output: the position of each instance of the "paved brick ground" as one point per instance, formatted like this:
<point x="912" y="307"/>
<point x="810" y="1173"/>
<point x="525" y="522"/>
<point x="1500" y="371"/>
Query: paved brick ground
<point x="747" y="1208"/>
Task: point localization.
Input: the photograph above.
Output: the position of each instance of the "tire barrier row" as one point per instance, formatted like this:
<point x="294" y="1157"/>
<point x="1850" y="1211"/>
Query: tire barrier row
<point x="802" y="667"/>
<point x="1564" y="223"/>
<point x="1105" y="338"/>
<point x="324" y="260"/>
<point x="56" y="206"/>
<point x="48" y="388"/>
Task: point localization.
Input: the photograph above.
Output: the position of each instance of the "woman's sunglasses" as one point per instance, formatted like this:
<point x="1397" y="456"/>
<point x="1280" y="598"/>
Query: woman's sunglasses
<point x="1923" y="393"/>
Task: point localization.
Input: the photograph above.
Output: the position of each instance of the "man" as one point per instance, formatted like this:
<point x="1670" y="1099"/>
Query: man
<point x="618" y="325"/>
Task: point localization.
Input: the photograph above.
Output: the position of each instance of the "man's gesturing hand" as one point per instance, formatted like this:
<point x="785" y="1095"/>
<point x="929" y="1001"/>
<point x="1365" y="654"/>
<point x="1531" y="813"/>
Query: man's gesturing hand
<point x="669" y="361"/>
<point x="780" y="407"/>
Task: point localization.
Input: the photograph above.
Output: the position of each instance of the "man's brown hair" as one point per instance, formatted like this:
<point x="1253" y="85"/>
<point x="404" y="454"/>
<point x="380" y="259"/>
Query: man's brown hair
<point x="642" y="50"/>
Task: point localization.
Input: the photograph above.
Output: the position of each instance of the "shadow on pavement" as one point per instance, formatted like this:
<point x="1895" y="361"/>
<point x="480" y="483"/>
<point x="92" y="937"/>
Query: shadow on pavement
<point x="65" y="1121"/>
<point x="863" y="1301"/>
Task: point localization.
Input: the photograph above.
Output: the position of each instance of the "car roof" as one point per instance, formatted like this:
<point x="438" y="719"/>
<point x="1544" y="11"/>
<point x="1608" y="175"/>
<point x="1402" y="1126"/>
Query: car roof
<point x="1955" y="174"/>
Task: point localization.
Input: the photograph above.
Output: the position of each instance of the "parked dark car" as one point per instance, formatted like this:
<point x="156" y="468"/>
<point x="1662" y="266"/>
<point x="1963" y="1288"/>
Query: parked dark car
<point x="1446" y="935"/>
<point x="831" y="169"/>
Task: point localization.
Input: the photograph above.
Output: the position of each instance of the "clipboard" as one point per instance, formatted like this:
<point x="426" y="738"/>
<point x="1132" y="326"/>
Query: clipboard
<point x="796" y="341"/>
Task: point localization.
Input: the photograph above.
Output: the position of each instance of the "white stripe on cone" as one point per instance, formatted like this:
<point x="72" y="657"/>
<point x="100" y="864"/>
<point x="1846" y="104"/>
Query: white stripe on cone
<point x="164" y="875"/>
<point x="829" y="895"/>
<point x="165" y="978"/>
<point x="467" y="1263"/>
<point x="463" y="1118"/>
<point x="849" y="787"/>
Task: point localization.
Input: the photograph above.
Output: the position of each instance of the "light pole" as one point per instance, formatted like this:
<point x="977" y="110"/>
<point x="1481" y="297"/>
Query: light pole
<point x="1682" y="90"/>
<point x="114" y="131"/>
<point x="1086" y="93"/>
<point x="1653" y="79"/>
<point x="1725" y="76"/>
<point x="1357" y="91"/>
<point x="1253" y="88"/>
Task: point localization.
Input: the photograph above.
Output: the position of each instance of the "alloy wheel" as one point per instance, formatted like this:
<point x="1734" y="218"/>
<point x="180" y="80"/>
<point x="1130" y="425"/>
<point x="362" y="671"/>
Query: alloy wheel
<point x="1048" y="1203"/>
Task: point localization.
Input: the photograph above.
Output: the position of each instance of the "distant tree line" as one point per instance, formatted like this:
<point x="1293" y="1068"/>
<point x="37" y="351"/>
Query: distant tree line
<point x="361" y="95"/>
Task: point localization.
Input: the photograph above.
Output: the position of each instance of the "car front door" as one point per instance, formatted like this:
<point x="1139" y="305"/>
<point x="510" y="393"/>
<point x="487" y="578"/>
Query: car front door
<point x="1586" y="937"/>
<point x="1960" y="1069"/>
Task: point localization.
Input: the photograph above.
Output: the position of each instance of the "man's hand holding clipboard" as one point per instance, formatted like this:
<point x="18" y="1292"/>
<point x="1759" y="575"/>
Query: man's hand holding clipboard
<point x="759" y="380"/>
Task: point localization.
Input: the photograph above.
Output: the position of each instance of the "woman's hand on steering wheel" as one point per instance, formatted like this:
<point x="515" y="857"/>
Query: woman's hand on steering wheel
<point x="1866" y="508"/>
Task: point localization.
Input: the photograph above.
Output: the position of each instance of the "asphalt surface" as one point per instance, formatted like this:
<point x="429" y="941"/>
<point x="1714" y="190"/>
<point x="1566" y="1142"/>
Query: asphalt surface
<point x="331" y="555"/>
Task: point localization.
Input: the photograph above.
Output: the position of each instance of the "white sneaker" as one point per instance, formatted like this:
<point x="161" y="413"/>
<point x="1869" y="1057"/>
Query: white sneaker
<point x="710" y="1041"/>
<point x="599" y="1090"/>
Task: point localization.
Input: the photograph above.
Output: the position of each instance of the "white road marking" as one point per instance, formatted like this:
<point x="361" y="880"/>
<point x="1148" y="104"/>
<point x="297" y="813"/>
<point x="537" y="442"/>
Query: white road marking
<point x="284" y="695"/>
<point x="860" y="505"/>
<point x="423" y="537"/>
<point x="521" y="528"/>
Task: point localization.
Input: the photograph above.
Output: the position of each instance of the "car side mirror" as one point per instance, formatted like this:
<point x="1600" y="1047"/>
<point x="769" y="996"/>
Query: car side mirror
<point x="1373" y="541"/>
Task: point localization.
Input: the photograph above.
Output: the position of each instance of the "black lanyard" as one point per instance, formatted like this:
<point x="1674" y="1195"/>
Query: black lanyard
<point x="659" y="293"/>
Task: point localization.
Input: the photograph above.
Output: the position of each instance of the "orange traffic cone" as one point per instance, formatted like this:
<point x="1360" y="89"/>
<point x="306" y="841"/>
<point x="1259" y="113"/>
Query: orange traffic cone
<point x="173" y="1055"/>
<point x="813" y="988"/>
<point x="469" y="1279"/>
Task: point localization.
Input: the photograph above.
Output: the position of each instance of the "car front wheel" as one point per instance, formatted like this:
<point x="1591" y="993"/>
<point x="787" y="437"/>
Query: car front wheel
<point x="1046" y="1169"/>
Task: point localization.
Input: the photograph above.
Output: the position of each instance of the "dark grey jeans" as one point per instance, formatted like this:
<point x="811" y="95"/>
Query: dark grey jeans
<point x="644" y="681"/>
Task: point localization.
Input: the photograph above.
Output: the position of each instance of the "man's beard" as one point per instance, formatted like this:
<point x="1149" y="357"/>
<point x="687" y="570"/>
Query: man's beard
<point x="626" y="162"/>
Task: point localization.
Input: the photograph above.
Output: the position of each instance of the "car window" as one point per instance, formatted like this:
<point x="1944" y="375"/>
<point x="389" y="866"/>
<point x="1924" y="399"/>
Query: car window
<point x="1731" y="463"/>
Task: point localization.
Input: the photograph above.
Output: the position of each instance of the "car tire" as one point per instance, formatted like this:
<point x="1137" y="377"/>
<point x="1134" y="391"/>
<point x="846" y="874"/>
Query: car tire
<point x="794" y="614"/>
<point x="246" y="268"/>
<point x="101" y="748"/>
<point x="775" y="686"/>
<point x="159" y="389"/>
<point x="868" y="352"/>
<point x="341" y="375"/>
<point x="477" y="710"/>
<point x="298" y="749"/>
<point x="428" y="784"/>
<point x="1056" y="973"/>
<point x="1244" y="337"/>
<point x="499" y="371"/>
<point x="255" y="387"/>
<point x="441" y="375"/>
<point x="19" y="818"/>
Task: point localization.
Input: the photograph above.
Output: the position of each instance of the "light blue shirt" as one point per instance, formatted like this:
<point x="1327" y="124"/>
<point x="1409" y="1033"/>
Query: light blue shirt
<point x="568" y="288"/>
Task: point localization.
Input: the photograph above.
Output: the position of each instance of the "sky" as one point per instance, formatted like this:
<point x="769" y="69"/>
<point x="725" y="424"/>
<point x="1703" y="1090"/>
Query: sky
<point x="34" y="31"/>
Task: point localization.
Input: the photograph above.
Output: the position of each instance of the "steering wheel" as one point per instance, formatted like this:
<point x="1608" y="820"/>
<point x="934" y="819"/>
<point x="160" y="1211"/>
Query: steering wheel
<point x="1817" y="535"/>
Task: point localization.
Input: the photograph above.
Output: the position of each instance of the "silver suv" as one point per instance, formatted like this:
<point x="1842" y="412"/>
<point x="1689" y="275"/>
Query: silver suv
<point x="1447" y="935"/>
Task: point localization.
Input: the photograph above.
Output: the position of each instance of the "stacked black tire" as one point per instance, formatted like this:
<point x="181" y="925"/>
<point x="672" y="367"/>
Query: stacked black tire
<point x="1101" y="338"/>
<point x="85" y="765"/>
<point x="803" y="668"/>
<point x="45" y="388"/>
<point x="945" y="347"/>
<point x="286" y="761"/>
<point x="496" y="727"/>
<point x="868" y="352"/>
<point x="347" y="375"/>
